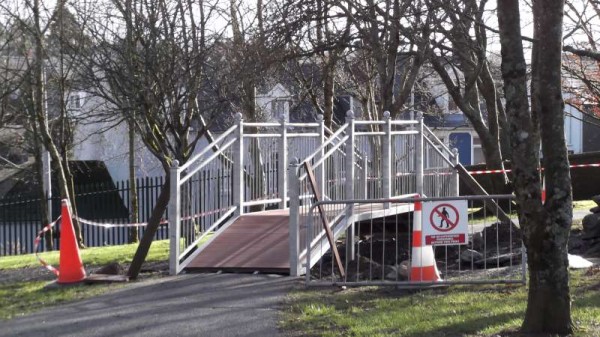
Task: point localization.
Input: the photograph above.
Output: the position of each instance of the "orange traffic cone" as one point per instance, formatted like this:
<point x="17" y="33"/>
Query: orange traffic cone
<point x="422" y="267"/>
<point x="71" y="268"/>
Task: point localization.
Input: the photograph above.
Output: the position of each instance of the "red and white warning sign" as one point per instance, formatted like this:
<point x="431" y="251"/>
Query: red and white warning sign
<point x="445" y="222"/>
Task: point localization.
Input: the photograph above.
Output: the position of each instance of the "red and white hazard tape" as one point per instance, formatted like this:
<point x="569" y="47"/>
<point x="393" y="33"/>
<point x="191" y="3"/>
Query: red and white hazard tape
<point x="46" y="228"/>
<point x="36" y="243"/>
<point x="584" y="165"/>
<point x="488" y="171"/>
<point x="114" y="225"/>
<point x="143" y="224"/>
<point x="507" y="171"/>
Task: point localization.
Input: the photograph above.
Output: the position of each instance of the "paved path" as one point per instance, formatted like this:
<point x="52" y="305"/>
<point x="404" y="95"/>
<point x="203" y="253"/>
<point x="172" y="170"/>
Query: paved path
<point x="187" y="305"/>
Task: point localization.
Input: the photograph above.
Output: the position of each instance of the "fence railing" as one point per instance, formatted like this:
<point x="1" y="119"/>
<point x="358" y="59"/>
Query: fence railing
<point x="384" y="251"/>
<point x="20" y="217"/>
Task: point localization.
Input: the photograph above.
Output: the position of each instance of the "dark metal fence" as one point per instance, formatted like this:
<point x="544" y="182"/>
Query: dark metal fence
<point x="20" y="217"/>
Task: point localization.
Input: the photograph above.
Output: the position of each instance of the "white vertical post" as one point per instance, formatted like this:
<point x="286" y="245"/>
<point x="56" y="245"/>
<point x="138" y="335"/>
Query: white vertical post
<point x="46" y="159"/>
<point x="320" y="170"/>
<point x="350" y="158"/>
<point x="454" y="182"/>
<point x="386" y="160"/>
<point x="419" y="155"/>
<point x="294" y="224"/>
<point x="238" y="167"/>
<point x="364" y="177"/>
<point x="47" y="181"/>
<point x="282" y="162"/>
<point x="174" y="219"/>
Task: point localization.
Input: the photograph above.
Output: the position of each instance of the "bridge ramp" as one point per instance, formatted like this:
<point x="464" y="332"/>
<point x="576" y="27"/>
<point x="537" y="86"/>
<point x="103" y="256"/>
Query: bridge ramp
<point x="253" y="242"/>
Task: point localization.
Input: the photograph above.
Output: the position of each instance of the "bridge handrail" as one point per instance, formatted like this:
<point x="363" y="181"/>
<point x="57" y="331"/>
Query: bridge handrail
<point x="325" y="156"/>
<point x="356" y="151"/>
<point x="209" y="147"/>
<point x="436" y="141"/>
<point x="207" y="161"/>
<point x="328" y="142"/>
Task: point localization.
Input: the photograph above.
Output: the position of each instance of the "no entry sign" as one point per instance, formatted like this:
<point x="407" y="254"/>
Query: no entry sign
<point x="445" y="222"/>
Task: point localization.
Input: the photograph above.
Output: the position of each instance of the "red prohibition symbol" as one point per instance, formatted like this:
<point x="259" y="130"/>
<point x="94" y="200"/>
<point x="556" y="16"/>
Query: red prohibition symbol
<point x="446" y="216"/>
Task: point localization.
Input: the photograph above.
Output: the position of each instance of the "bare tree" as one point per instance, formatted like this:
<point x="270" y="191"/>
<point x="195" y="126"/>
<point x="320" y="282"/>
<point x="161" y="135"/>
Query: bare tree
<point x="581" y="62"/>
<point x="315" y="42"/>
<point x="151" y="63"/>
<point x="35" y="22"/>
<point x="459" y="56"/>
<point x="394" y="38"/>
<point x="546" y="225"/>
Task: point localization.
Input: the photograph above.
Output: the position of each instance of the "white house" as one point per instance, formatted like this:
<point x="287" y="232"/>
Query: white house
<point x="275" y="103"/>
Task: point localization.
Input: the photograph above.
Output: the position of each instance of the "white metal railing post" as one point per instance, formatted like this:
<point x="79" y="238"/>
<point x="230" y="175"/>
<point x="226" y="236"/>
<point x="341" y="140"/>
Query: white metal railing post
<point x="455" y="181"/>
<point x="387" y="158"/>
<point x="294" y="224"/>
<point x="282" y="162"/>
<point x="238" y="167"/>
<point x="321" y="169"/>
<point x="364" y="178"/>
<point x="174" y="219"/>
<point x="350" y="159"/>
<point x="419" y="155"/>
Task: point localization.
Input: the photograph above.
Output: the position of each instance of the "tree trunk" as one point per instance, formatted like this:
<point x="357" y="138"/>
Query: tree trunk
<point x="548" y="300"/>
<point x="46" y="217"/>
<point x="545" y="226"/>
<point x="159" y="209"/>
<point x="328" y="95"/>
<point x="548" y="237"/>
<point x="133" y="197"/>
<point x="39" y="112"/>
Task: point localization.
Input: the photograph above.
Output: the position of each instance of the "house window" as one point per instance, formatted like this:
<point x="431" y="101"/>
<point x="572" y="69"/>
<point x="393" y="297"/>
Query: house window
<point x="279" y="109"/>
<point x="74" y="101"/>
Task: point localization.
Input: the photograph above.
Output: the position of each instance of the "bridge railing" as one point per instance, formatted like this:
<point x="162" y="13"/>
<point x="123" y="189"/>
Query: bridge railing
<point x="266" y="149"/>
<point x="440" y="179"/>
<point x="246" y="169"/>
<point x="242" y="170"/>
<point x="195" y="211"/>
<point x="371" y="160"/>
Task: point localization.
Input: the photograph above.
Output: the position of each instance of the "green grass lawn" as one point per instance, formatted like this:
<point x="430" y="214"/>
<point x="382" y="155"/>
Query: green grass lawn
<point x="94" y="256"/>
<point x="18" y="298"/>
<point x="455" y="311"/>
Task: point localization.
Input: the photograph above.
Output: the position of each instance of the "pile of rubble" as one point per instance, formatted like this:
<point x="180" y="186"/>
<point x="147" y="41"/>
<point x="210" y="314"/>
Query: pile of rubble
<point x="591" y="230"/>
<point x="498" y="244"/>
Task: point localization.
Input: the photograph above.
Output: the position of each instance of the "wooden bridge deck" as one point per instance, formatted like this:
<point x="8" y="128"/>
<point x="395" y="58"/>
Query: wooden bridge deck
<point x="253" y="242"/>
<point x="259" y="241"/>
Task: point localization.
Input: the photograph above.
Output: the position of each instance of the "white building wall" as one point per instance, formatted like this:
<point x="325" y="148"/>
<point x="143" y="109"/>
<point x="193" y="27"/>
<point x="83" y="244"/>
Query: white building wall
<point x="104" y="141"/>
<point x="573" y="129"/>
